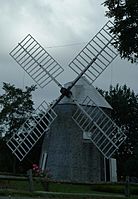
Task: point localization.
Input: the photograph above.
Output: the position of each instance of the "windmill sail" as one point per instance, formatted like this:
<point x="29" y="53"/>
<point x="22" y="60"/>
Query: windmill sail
<point x="36" y="61"/>
<point x="100" y="47"/>
<point x="96" y="56"/>
<point x="31" y="131"/>
<point x="103" y="132"/>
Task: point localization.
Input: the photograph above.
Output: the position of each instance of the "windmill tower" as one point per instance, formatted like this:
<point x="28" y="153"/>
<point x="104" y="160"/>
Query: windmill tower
<point x="88" y="117"/>
<point x="75" y="157"/>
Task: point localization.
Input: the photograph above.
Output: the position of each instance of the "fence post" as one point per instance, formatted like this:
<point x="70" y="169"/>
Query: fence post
<point x="127" y="187"/>
<point x="30" y="177"/>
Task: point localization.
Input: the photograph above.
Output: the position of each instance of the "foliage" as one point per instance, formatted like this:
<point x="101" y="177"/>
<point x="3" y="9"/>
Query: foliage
<point x="125" y="14"/>
<point x="16" y="106"/>
<point x="4" y="156"/>
<point x="125" y="113"/>
<point x="131" y="167"/>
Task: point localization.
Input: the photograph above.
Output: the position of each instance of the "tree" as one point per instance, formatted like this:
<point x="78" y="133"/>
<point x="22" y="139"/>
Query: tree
<point x="131" y="167"/>
<point x="16" y="107"/>
<point x="125" y="14"/>
<point x="125" y="114"/>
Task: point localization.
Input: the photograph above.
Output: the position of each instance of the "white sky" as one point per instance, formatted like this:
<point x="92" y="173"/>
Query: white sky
<point x="56" y="23"/>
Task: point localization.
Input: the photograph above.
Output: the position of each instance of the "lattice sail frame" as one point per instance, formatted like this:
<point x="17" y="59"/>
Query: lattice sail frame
<point x="100" y="47"/>
<point x="103" y="132"/>
<point x="31" y="131"/>
<point x="36" y="61"/>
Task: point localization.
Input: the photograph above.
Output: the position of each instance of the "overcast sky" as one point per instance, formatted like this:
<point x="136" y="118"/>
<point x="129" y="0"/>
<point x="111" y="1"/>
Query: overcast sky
<point x="54" y="24"/>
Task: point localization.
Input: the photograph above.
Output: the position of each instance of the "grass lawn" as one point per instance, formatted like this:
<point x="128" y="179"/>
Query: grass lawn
<point x="34" y="195"/>
<point x="65" y="190"/>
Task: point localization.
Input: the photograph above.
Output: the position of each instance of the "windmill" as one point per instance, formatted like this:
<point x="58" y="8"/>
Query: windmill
<point x="94" y="58"/>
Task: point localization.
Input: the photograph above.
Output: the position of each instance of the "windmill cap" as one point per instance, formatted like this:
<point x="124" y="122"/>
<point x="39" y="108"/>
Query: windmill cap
<point x="81" y="90"/>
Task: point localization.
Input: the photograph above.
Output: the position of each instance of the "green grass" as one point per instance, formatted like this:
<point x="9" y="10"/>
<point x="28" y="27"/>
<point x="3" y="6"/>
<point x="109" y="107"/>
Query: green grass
<point x="33" y="195"/>
<point x="69" y="188"/>
<point x="21" y="185"/>
<point x="61" y="190"/>
<point x="106" y="188"/>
